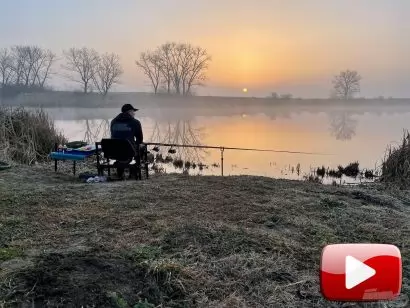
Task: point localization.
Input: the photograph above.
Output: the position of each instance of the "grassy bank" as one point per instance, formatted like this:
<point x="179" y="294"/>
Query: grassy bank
<point x="178" y="241"/>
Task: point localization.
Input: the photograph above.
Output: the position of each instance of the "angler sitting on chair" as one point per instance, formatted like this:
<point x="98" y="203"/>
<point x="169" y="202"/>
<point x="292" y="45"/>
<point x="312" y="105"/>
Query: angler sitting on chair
<point x="125" y="126"/>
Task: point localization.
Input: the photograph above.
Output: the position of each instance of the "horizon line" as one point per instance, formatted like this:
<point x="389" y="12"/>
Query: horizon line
<point x="381" y="97"/>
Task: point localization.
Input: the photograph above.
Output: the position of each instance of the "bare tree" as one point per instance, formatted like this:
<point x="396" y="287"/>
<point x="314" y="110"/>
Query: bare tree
<point x="188" y="65"/>
<point x="30" y="56"/>
<point x="180" y="66"/>
<point x="6" y="66"/>
<point x="166" y="68"/>
<point x="151" y="66"/>
<point x="26" y="66"/>
<point x="21" y="66"/>
<point x="108" y="72"/>
<point x="176" y="67"/>
<point x="346" y="84"/>
<point x="195" y="64"/>
<point x="42" y="67"/>
<point x="83" y="63"/>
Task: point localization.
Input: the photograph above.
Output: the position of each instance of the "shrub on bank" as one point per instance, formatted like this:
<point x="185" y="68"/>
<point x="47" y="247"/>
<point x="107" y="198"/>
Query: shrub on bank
<point x="351" y="169"/>
<point x="26" y="136"/>
<point x="396" y="164"/>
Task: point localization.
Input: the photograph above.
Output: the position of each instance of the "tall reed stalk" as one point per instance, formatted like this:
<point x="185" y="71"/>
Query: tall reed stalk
<point x="396" y="163"/>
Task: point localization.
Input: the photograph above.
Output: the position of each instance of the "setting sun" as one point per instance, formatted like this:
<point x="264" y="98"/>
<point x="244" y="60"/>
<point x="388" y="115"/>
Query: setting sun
<point x="244" y="90"/>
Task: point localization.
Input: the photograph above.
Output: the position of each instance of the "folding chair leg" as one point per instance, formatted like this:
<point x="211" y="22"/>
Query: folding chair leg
<point x="137" y="159"/>
<point x="146" y="161"/>
<point x="135" y="170"/>
<point x="55" y="160"/>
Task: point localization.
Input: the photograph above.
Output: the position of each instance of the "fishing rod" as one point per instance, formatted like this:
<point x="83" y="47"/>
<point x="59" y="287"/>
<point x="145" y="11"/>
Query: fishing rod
<point x="231" y="148"/>
<point x="223" y="148"/>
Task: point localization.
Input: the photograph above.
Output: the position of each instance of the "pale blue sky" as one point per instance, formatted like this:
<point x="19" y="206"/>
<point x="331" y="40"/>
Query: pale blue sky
<point x="284" y="46"/>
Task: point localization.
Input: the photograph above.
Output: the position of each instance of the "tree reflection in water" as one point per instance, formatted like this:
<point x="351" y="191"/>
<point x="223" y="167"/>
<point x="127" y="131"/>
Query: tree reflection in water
<point x="180" y="132"/>
<point x="174" y="132"/>
<point x="95" y="130"/>
<point x="342" y="125"/>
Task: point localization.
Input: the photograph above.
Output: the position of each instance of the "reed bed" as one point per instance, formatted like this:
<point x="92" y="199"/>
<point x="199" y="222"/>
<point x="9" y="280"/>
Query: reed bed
<point x="396" y="163"/>
<point x="26" y="137"/>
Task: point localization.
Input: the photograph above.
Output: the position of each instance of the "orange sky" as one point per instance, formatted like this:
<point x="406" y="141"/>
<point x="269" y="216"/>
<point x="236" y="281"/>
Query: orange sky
<point x="266" y="46"/>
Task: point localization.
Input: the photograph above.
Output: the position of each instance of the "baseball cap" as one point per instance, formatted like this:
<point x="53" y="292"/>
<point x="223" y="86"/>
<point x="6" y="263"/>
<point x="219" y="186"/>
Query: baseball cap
<point x="128" y="107"/>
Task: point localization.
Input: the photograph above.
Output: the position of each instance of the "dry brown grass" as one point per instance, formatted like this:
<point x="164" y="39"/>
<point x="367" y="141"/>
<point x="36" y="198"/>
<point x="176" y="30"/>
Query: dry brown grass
<point x="26" y="136"/>
<point x="396" y="164"/>
<point x="179" y="241"/>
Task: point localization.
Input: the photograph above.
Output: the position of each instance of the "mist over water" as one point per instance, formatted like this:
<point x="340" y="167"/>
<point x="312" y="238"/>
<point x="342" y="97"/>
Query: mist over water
<point x="344" y="134"/>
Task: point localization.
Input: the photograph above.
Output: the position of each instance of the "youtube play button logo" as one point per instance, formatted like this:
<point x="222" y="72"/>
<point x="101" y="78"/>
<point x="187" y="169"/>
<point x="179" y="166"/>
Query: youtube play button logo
<point x="360" y="272"/>
<point x="356" y="272"/>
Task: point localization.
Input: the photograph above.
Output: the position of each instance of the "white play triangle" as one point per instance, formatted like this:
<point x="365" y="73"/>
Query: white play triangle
<point x="356" y="272"/>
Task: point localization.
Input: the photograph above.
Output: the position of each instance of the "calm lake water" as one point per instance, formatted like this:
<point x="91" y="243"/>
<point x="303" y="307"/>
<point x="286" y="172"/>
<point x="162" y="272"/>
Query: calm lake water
<point x="345" y="136"/>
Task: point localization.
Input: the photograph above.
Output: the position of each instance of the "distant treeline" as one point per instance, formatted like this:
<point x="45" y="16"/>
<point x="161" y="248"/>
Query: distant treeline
<point x="171" y="68"/>
<point x="25" y="69"/>
<point x="28" y="69"/>
<point x="150" y="100"/>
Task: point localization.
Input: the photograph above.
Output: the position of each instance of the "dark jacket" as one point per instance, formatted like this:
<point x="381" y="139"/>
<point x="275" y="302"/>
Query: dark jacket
<point x="124" y="126"/>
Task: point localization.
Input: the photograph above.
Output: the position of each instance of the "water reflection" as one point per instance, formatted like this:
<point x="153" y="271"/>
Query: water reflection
<point x="277" y="127"/>
<point x="342" y="125"/>
<point x="180" y="132"/>
<point x="183" y="132"/>
<point x="95" y="130"/>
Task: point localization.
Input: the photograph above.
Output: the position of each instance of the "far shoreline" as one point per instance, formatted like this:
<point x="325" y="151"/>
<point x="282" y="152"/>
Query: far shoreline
<point x="58" y="99"/>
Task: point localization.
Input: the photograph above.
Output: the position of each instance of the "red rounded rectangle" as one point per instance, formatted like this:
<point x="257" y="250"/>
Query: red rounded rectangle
<point x="360" y="272"/>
